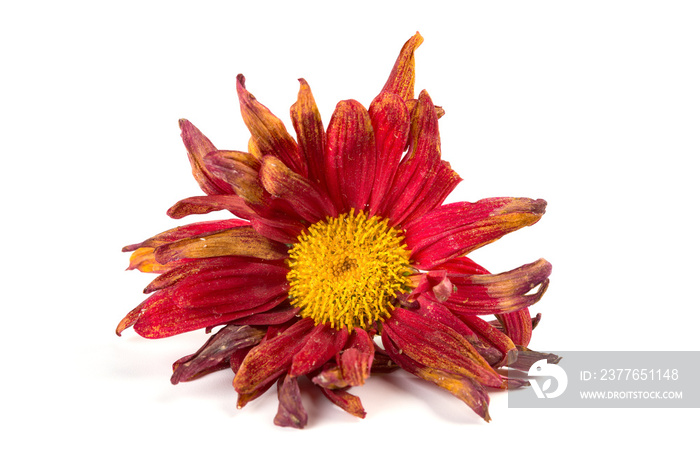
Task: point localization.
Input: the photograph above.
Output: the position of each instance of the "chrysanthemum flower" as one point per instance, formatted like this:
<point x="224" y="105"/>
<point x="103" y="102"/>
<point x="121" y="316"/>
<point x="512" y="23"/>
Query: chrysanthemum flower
<point x="343" y="260"/>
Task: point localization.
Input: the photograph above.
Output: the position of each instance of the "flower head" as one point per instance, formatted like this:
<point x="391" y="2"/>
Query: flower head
<point x="341" y="260"/>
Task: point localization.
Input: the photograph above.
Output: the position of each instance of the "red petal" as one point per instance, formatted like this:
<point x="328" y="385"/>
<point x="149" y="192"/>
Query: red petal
<point x="440" y="313"/>
<point x="403" y="75"/>
<point x="268" y="132"/>
<point x="518" y="326"/>
<point x="437" y="187"/>
<point x="415" y="174"/>
<point x="271" y="358"/>
<point x="390" y="121"/>
<point x="310" y="133"/>
<point x="437" y="346"/>
<point x="201" y="269"/>
<point x="321" y="345"/>
<point x="161" y="315"/>
<point x="456" y="229"/>
<point x="350" y="158"/>
<point x="356" y="361"/>
<point x="278" y="315"/>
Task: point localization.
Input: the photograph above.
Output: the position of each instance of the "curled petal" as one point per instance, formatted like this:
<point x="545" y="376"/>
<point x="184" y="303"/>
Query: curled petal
<point x="291" y="412"/>
<point x="269" y="135"/>
<point x="350" y="157"/>
<point x="144" y="260"/>
<point x="216" y="352"/>
<point x="330" y="377"/>
<point x="198" y="205"/>
<point x="493" y="337"/>
<point x="346" y="401"/>
<point x="310" y="133"/>
<point x="517" y="325"/>
<point x="456" y="229"/>
<point x="207" y="292"/>
<point x="464" y="388"/>
<point x="356" y="361"/>
<point x="237" y="171"/>
<point x="403" y="75"/>
<point x="499" y="293"/>
<point x="309" y="202"/>
<point x="271" y="358"/>
<point x="198" y="146"/>
<point x="434" y="283"/>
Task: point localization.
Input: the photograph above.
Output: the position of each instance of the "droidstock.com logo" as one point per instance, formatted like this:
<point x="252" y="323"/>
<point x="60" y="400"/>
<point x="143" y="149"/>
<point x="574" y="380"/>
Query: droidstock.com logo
<point x="542" y="369"/>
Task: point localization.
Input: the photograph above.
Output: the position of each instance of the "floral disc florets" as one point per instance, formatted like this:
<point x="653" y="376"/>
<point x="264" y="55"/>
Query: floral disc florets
<point x="347" y="271"/>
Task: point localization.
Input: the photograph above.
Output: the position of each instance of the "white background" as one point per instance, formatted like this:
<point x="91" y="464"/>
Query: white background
<point x="593" y="106"/>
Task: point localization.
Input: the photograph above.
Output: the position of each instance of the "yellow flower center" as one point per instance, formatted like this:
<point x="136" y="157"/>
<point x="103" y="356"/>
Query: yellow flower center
<point x="348" y="271"/>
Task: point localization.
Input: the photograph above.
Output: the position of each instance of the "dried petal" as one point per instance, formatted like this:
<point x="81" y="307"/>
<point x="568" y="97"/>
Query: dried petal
<point x="291" y="412"/>
<point x="184" y="232"/>
<point x="239" y="241"/>
<point x="456" y="229"/>
<point x="216" y="352"/>
<point x="268" y="132"/>
<point x="348" y="402"/>
<point x="437" y="346"/>
<point x="415" y="174"/>
<point x="499" y="293"/>
<point x="198" y="205"/>
<point x="310" y="203"/>
<point x="322" y="344"/>
<point x="310" y="133"/>
<point x="403" y="75"/>
<point x="390" y="121"/>
<point x="198" y="146"/>
<point x="351" y="157"/>
<point x="271" y="358"/>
